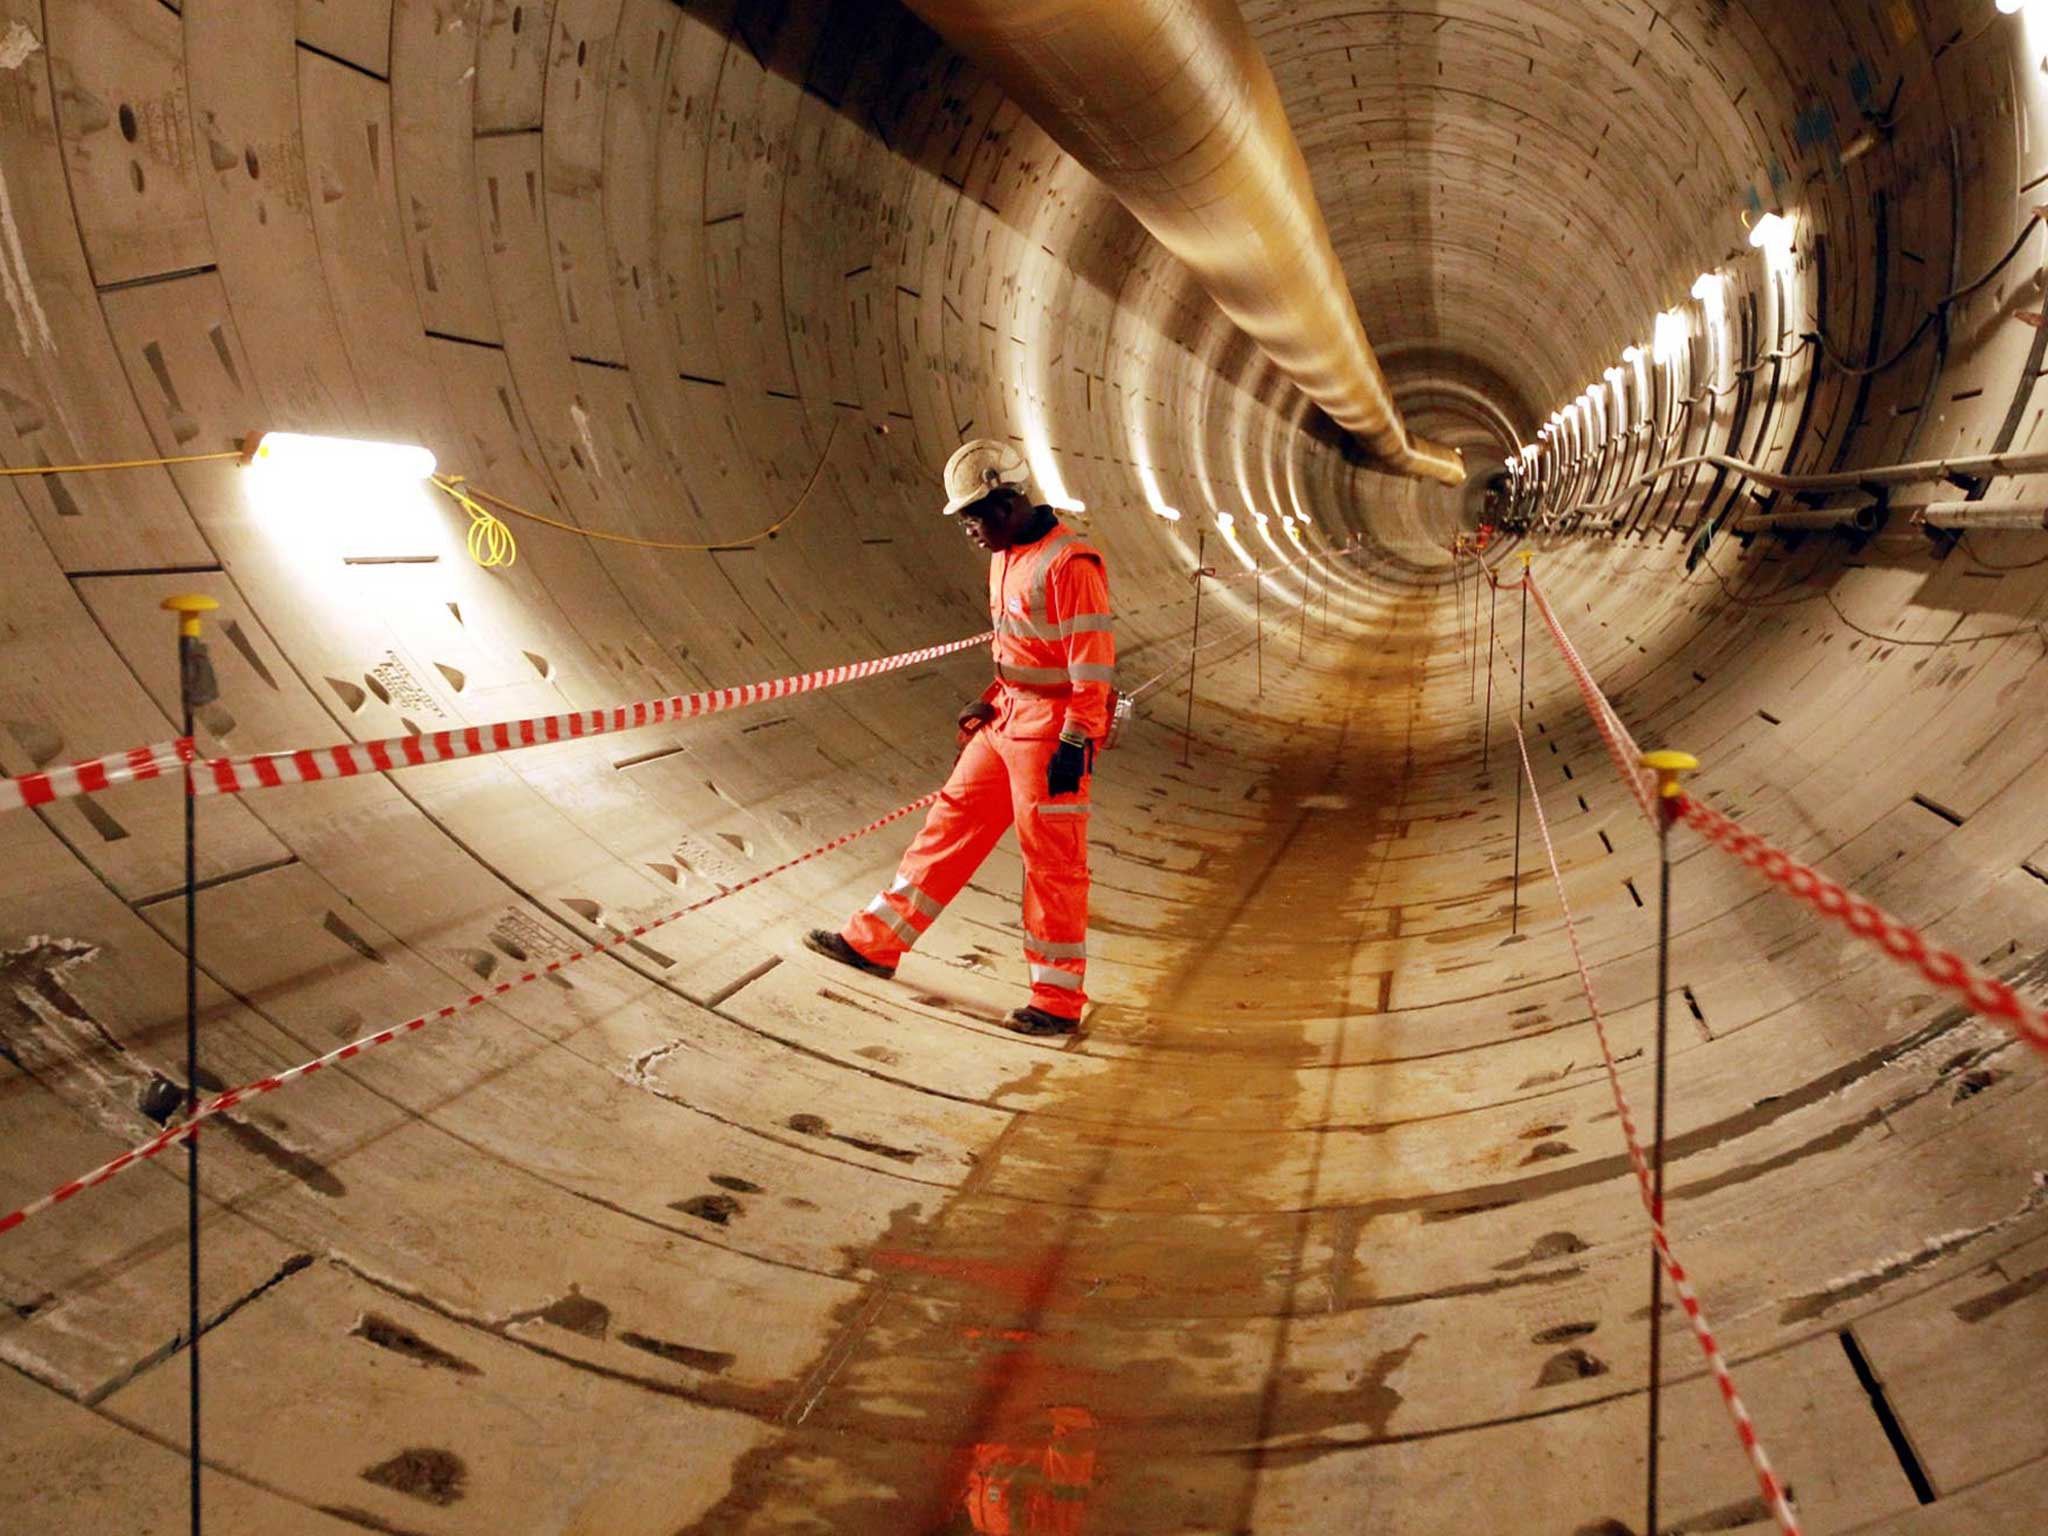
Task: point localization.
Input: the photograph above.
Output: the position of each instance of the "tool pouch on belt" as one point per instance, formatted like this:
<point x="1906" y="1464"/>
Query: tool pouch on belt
<point x="1120" y="714"/>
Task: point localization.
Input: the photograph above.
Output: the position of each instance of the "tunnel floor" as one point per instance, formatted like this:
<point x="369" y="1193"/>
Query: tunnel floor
<point x="1096" y="1324"/>
<point x="1322" y="1222"/>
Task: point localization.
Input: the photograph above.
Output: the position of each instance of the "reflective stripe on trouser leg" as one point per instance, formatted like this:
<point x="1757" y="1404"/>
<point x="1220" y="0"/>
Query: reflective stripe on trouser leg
<point x="972" y="812"/>
<point x="1053" y="837"/>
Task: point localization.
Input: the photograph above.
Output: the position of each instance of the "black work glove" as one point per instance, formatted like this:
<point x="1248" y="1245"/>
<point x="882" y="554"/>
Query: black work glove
<point x="1070" y="763"/>
<point x="973" y="717"/>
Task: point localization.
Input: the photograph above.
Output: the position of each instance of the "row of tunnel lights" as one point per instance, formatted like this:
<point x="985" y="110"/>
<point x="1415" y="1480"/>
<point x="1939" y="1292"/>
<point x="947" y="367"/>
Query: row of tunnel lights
<point x="1773" y="234"/>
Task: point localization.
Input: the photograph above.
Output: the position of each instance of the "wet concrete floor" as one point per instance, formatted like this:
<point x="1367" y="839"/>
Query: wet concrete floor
<point x="1085" y="1338"/>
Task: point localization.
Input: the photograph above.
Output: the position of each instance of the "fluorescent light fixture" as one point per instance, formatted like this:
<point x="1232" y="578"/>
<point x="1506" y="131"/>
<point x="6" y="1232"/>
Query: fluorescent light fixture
<point x="1632" y="355"/>
<point x="1669" y="344"/>
<point x="341" y="459"/>
<point x="1532" y="452"/>
<point x="1772" y="234"/>
<point x="1226" y="524"/>
<point x="2011" y="7"/>
<point x="1067" y="504"/>
<point x="1707" y="287"/>
<point x="1613" y="375"/>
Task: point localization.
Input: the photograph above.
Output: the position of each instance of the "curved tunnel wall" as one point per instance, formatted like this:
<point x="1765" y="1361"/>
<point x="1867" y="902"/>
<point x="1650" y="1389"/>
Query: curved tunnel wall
<point x="652" y="271"/>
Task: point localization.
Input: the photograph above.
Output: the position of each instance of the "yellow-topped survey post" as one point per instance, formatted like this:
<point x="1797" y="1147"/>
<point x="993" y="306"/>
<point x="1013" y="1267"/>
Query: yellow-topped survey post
<point x="1669" y="768"/>
<point x="189" y="606"/>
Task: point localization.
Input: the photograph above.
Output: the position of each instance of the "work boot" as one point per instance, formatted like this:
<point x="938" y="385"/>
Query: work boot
<point x="833" y="947"/>
<point x="1036" y="1021"/>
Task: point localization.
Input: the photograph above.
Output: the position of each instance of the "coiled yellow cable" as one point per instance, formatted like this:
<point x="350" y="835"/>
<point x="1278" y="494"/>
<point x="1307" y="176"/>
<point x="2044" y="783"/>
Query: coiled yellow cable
<point x="491" y="544"/>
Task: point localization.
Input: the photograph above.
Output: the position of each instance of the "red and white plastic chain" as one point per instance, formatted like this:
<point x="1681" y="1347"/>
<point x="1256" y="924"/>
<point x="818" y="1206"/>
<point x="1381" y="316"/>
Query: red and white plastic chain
<point x="222" y="1103"/>
<point x="98" y="773"/>
<point x="1621" y="746"/>
<point x="1994" y="999"/>
<point x="1987" y="995"/>
<point x="1775" y="1497"/>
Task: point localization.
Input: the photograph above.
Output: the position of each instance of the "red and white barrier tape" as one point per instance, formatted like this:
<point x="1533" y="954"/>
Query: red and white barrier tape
<point x="266" y="770"/>
<point x="171" y="1135"/>
<point x="90" y="777"/>
<point x="1745" y="1428"/>
<point x="1987" y="995"/>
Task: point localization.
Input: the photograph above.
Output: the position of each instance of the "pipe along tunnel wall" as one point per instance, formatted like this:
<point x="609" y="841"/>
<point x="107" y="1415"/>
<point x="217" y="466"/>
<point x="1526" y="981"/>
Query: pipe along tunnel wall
<point x="1324" y="1223"/>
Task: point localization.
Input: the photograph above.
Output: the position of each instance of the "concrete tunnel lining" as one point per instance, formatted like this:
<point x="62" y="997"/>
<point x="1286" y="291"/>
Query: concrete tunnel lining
<point x="1325" y="1219"/>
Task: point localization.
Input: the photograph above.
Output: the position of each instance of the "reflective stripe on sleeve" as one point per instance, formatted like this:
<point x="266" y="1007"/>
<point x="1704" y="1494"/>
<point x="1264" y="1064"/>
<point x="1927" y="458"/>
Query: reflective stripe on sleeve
<point x="1090" y="672"/>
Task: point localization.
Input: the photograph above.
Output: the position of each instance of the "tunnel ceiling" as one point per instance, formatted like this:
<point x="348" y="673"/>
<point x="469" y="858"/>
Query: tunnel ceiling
<point x="1520" y="185"/>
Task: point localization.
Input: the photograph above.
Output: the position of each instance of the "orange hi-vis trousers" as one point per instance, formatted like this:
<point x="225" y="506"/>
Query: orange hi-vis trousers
<point x="999" y="780"/>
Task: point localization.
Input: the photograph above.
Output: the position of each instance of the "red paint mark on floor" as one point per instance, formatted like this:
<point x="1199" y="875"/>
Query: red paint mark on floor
<point x="1010" y="1281"/>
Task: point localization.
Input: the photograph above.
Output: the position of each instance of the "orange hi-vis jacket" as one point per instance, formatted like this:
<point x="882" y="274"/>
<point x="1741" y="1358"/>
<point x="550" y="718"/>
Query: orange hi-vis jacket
<point x="1055" y="656"/>
<point x="1055" y="652"/>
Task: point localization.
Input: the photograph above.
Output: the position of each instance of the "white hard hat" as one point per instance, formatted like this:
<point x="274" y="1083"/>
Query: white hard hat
<point x="981" y="467"/>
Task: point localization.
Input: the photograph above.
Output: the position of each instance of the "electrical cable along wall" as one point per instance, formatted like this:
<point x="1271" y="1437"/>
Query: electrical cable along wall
<point x="1325" y="1220"/>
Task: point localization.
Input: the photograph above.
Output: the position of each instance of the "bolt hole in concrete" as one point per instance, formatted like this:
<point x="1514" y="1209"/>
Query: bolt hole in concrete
<point x="710" y="1361"/>
<point x="1570" y="1365"/>
<point x="401" y="1340"/>
<point x="716" y="1209"/>
<point x="579" y="1313"/>
<point x="422" y="1472"/>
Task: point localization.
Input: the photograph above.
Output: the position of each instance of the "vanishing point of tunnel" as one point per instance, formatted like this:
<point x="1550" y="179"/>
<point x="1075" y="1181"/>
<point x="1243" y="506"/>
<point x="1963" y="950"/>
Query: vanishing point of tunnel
<point x="1298" y="1199"/>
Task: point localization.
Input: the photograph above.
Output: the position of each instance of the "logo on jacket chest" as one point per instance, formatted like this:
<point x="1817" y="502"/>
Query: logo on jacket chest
<point x="1016" y="605"/>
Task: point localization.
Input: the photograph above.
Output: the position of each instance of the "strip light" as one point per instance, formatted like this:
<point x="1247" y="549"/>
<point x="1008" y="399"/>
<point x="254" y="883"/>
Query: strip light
<point x="344" y="458"/>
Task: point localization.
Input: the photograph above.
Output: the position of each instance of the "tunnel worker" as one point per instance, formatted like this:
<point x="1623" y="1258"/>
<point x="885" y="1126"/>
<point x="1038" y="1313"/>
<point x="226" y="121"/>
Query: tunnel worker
<point x="1027" y="747"/>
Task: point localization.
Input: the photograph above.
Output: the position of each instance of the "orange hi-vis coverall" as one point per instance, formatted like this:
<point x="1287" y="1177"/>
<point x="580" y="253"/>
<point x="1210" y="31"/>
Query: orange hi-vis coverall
<point x="1055" y="659"/>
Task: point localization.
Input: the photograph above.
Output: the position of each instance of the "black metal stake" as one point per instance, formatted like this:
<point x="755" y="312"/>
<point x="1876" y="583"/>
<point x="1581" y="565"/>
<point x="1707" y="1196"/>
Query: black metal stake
<point x="1301" y="640"/>
<point x="1187" y="744"/>
<point x="1259" y="609"/>
<point x="1522" y="772"/>
<point x="1492" y="603"/>
<point x="195" y="687"/>
<point x="1472" y="687"/>
<point x="1657" y="1146"/>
